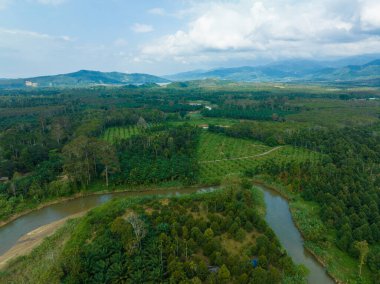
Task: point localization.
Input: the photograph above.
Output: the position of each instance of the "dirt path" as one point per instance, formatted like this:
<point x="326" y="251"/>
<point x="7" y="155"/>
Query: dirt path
<point x="32" y="239"/>
<point x="243" y="158"/>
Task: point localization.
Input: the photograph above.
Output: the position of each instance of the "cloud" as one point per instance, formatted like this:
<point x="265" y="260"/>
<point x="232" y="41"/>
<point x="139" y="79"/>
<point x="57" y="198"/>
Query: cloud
<point x="370" y="15"/>
<point x="25" y="53"/>
<point x="157" y="11"/>
<point x="5" y="3"/>
<point x="34" y="51"/>
<point x="273" y="29"/>
<point x="30" y="34"/>
<point x="51" y="2"/>
<point x="141" y="28"/>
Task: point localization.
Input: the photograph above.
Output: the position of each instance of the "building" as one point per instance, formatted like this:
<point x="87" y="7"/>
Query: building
<point x="31" y="84"/>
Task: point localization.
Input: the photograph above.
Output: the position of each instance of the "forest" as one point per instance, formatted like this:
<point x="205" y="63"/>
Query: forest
<point x="321" y="145"/>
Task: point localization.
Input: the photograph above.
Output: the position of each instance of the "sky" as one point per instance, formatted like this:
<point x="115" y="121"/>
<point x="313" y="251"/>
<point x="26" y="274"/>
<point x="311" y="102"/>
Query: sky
<point x="41" y="37"/>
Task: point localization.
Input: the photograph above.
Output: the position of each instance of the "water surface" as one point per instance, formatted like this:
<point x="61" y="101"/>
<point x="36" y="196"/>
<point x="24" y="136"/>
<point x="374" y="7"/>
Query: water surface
<point x="279" y="218"/>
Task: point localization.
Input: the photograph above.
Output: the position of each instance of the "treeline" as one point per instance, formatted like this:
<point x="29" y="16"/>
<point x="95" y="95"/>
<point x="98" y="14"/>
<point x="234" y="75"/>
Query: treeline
<point x="247" y="113"/>
<point x="58" y="155"/>
<point x="270" y="135"/>
<point x="153" y="157"/>
<point x="197" y="239"/>
<point x="271" y="108"/>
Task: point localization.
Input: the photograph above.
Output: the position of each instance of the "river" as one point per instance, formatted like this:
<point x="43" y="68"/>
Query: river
<point x="277" y="216"/>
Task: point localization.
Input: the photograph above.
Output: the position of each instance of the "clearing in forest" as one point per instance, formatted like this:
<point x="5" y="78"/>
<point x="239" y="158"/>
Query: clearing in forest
<point x="220" y="155"/>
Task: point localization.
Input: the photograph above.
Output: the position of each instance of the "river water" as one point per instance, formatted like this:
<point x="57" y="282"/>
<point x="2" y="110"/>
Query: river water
<point x="277" y="216"/>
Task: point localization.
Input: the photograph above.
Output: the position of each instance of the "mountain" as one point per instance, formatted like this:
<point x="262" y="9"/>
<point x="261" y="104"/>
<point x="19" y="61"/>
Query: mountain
<point x="370" y="70"/>
<point x="288" y="71"/>
<point x="82" y="78"/>
<point x="279" y="70"/>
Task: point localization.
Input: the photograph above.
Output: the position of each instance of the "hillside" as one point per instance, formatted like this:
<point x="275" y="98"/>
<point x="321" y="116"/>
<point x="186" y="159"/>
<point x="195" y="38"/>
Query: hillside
<point x="287" y="71"/>
<point x="82" y="78"/>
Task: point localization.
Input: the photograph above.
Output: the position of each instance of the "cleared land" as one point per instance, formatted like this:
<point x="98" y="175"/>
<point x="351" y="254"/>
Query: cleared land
<point x="220" y="155"/>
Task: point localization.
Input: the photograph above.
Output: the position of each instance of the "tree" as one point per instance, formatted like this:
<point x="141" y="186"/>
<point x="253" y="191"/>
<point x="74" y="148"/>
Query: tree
<point x="362" y="247"/>
<point x="209" y="234"/>
<point x="142" y="123"/>
<point x="78" y="160"/>
<point x="82" y="155"/>
<point x="57" y="132"/>
<point x="224" y="274"/>
<point x="139" y="227"/>
<point x="106" y="154"/>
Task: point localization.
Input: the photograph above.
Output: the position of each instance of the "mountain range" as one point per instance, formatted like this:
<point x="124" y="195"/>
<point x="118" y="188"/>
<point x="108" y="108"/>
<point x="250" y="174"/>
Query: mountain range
<point x="287" y="71"/>
<point x="298" y="71"/>
<point x="83" y="78"/>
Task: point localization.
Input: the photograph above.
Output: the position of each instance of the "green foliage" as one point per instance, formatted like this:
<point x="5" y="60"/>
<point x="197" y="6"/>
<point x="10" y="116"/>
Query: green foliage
<point x="156" y="156"/>
<point x="221" y="155"/>
<point x="103" y="246"/>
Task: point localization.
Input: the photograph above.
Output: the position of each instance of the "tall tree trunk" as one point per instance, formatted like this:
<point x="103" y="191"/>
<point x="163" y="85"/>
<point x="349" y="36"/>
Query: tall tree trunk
<point x="107" y="176"/>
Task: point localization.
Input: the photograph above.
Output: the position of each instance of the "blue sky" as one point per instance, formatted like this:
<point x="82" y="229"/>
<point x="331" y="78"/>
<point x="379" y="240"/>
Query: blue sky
<point x="39" y="37"/>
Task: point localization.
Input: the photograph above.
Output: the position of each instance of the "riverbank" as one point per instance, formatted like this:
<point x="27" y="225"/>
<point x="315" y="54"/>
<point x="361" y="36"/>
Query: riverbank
<point x="288" y="198"/>
<point x="341" y="267"/>
<point x="30" y="239"/>
<point x="33" y="239"/>
<point x="93" y="193"/>
<point x="304" y="215"/>
<point x="36" y="266"/>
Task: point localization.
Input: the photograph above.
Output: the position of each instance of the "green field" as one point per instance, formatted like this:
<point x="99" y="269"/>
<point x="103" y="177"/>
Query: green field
<point x="220" y="155"/>
<point x="113" y="134"/>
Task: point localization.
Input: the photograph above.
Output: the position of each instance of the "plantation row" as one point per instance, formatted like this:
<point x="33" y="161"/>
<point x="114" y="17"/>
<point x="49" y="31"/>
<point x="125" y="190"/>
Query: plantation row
<point x="113" y="134"/>
<point x="220" y="155"/>
<point x="216" y="147"/>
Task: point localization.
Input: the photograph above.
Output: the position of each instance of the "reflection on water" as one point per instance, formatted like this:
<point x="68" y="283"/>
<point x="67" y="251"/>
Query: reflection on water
<point x="280" y="220"/>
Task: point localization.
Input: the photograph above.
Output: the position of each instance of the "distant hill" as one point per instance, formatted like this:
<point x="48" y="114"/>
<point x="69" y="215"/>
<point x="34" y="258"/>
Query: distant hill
<point x="287" y="71"/>
<point x="83" y="78"/>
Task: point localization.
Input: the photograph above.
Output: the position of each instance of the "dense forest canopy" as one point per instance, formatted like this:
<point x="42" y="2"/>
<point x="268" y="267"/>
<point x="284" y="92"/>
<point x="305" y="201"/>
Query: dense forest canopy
<point x="322" y="144"/>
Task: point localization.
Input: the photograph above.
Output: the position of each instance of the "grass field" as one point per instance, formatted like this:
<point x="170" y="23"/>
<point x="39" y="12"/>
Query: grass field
<point x="220" y="155"/>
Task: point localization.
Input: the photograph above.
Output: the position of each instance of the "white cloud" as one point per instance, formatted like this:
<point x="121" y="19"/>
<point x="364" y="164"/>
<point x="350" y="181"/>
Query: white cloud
<point x="370" y="15"/>
<point x="273" y="28"/>
<point x="32" y="50"/>
<point x="30" y="34"/>
<point x="141" y="28"/>
<point x="51" y="2"/>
